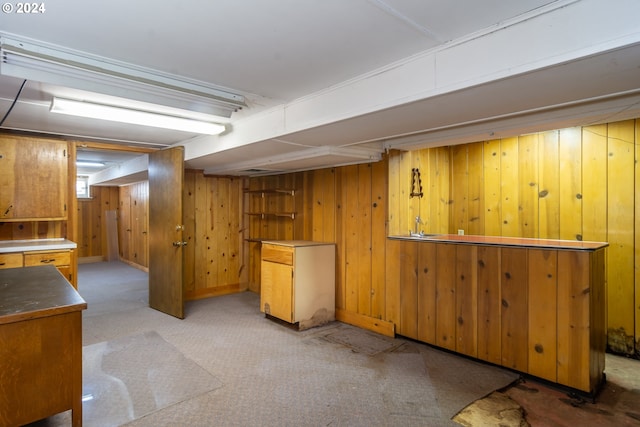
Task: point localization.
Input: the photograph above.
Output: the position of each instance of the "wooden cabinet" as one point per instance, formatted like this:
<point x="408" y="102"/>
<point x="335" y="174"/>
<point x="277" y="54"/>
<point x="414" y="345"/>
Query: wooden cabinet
<point x="535" y="310"/>
<point x="33" y="179"/>
<point x="298" y="282"/>
<point x="11" y="260"/>
<point x="40" y="346"/>
<point x="61" y="259"/>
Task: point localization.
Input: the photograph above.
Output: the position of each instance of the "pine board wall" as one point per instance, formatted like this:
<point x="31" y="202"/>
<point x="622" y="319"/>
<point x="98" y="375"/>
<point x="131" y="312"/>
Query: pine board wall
<point x="92" y="238"/>
<point x="214" y="262"/>
<point x="572" y="184"/>
<point x="346" y="206"/>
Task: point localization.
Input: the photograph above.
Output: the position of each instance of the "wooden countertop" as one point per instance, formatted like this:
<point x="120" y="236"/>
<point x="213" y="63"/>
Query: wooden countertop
<point x="296" y="243"/>
<point x="507" y="241"/>
<point x="7" y="246"/>
<point x="34" y="292"/>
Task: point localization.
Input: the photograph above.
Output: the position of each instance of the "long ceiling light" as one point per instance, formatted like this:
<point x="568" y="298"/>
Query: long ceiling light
<point x="136" y="117"/>
<point x="89" y="164"/>
<point x="47" y="63"/>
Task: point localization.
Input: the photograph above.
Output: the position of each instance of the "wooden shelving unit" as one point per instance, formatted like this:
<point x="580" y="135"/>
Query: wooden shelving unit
<point x="263" y="212"/>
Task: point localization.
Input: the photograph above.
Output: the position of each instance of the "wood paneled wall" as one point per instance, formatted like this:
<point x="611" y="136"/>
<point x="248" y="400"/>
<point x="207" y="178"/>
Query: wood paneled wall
<point x="575" y="184"/>
<point x="276" y="214"/>
<point x="92" y="238"/>
<point x="346" y="206"/>
<point x="214" y="261"/>
<point x="32" y="230"/>
<point x="133" y="218"/>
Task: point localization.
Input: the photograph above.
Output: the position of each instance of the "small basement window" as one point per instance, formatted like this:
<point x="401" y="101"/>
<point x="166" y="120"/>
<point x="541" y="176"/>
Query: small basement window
<point x="82" y="187"/>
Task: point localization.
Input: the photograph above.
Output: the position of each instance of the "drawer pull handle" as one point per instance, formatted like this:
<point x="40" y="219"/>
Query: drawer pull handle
<point x="47" y="261"/>
<point x="3" y="263"/>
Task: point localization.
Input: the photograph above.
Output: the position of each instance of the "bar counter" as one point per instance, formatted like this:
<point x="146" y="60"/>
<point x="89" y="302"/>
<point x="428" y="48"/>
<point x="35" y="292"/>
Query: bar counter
<point x="507" y="241"/>
<point x="532" y="305"/>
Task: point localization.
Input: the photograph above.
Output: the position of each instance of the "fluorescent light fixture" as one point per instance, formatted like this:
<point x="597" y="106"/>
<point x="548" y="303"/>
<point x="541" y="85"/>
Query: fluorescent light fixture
<point x="136" y="117"/>
<point x="48" y="63"/>
<point x="88" y="164"/>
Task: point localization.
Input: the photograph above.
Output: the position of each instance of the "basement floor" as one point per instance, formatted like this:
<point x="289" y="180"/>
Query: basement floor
<point x="307" y="377"/>
<point x="533" y="403"/>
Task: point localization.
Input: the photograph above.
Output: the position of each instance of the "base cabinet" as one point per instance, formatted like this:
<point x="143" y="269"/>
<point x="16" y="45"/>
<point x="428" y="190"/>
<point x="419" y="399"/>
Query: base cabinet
<point x="63" y="259"/>
<point x="298" y="282"/>
<point x="535" y="310"/>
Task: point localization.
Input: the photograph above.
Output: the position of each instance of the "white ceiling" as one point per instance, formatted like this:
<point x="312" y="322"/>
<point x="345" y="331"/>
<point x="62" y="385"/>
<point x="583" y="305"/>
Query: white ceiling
<point x="332" y="82"/>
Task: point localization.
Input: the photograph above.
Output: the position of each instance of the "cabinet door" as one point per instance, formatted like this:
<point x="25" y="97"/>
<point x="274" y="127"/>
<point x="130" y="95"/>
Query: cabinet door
<point x="33" y="178"/>
<point x="277" y="290"/>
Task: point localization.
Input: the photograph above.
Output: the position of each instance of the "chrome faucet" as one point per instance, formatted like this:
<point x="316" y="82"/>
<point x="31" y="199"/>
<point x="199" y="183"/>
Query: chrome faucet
<point x="417" y="233"/>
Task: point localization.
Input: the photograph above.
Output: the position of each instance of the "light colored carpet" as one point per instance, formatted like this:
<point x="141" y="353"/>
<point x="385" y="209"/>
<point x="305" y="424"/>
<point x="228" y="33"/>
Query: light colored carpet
<point x="268" y="374"/>
<point x="129" y="377"/>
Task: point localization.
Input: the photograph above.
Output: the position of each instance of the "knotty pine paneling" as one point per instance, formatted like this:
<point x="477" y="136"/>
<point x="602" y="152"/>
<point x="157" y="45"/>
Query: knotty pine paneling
<point x="575" y="183"/>
<point x="446" y="296"/>
<point x="514" y="308"/>
<point x="346" y="206"/>
<point x="548" y="185"/>
<point x="439" y="183"/>
<point x="392" y="278"/>
<point x="408" y="278"/>
<point x="528" y="181"/>
<point x="467" y="300"/>
<point x="213" y="229"/>
<point x="509" y="188"/>
<point x="133" y="226"/>
<point x="570" y="197"/>
<point x="378" y="237"/>
<point x="92" y="238"/>
<point x="543" y="321"/>
<point x="350" y="238"/>
<point x="620" y="231"/>
<point x="459" y="187"/>
<point x="427" y="292"/>
<point x="476" y="189"/>
<point x="489" y="307"/>
<point x="492" y="191"/>
<point x="124" y="223"/>
<point x="32" y="230"/>
<point x="574" y="353"/>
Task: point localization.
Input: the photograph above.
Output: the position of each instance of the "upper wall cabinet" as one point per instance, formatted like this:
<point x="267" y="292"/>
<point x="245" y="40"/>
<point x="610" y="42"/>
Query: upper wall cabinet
<point x="33" y="179"/>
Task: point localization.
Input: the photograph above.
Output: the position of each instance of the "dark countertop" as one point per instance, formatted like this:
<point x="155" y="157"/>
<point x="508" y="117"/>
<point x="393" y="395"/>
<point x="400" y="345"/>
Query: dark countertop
<point x="34" y="292"/>
<point x="506" y="241"/>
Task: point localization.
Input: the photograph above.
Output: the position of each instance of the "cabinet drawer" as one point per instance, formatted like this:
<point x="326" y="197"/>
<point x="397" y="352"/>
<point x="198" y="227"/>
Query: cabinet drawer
<point x="45" y="258"/>
<point x="279" y="254"/>
<point x="10" y="260"/>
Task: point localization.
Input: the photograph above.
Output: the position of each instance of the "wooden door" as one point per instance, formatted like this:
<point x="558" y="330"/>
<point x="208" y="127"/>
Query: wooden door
<point x="166" y="176"/>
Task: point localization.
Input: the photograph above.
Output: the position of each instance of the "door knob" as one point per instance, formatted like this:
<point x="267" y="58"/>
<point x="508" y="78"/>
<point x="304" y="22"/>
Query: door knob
<point x="178" y="244"/>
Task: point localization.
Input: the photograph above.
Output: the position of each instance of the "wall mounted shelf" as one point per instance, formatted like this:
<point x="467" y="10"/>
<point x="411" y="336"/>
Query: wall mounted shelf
<point x="263" y="212"/>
